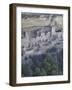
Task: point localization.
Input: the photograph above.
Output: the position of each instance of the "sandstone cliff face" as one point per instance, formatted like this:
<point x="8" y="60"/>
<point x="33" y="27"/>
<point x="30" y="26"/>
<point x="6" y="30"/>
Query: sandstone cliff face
<point x="29" y="20"/>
